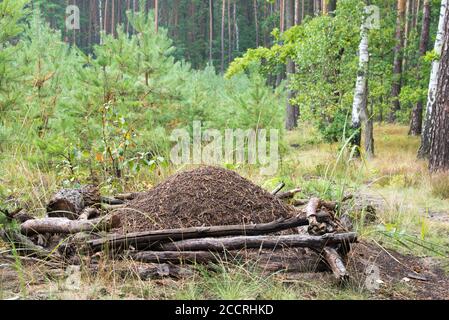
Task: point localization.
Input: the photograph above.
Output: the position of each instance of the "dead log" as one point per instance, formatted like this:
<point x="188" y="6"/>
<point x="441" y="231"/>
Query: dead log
<point x="315" y="227"/>
<point x="112" y="201"/>
<point x="305" y="261"/>
<point x="335" y="263"/>
<point x="174" y="256"/>
<point x="68" y="203"/>
<point x="89" y="213"/>
<point x="278" y="188"/>
<point x="127" y="196"/>
<point x="258" y="242"/>
<point x="288" y="194"/>
<point x="144" y="240"/>
<point x="66" y="226"/>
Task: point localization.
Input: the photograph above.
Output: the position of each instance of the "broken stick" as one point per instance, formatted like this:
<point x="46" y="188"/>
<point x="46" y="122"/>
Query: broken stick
<point x="66" y="226"/>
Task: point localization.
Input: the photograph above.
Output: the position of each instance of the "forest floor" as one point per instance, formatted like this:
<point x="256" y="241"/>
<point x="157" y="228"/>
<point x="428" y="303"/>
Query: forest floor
<point x="407" y="243"/>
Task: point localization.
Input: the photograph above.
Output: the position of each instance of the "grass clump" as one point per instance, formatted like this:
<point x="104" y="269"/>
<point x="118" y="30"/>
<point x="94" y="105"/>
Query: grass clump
<point x="440" y="186"/>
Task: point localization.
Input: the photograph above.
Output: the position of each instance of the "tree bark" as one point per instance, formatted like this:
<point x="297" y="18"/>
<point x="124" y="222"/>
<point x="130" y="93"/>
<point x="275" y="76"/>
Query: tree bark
<point x="431" y="97"/>
<point x="211" y="30"/>
<point x="416" y="121"/>
<point x="361" y="89"/>
<point x="291" y="120"/>
<point x="156" y="15"/>
<point x="256" y="22"/>
<point x="439" y="145"/>
<point x="66" y="226"/>
<point x="222" y="35"/>
<point x="335" y="263"/>
<point x="397" y="63"/>
<point x="69" y="203"/>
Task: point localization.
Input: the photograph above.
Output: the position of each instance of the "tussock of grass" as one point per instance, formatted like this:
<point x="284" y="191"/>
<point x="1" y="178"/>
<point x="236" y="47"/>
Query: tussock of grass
<point x="440" y="186"/>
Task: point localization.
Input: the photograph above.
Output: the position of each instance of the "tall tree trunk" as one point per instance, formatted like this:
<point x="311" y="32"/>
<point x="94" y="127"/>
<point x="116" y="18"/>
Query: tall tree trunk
<point x="282" y="15"/>
<point x="113" y="18"/>
<point x="416" y="121"/>
<point x="128" y="7"/>
<point x="100" y="12"/>
<point x="324" y="7"/>
<point x="291" y="120"/>
<point x="156" y="15"/>
<point x="236" y="28"/>
<point x="256" y="22"/>
<point x="332" y="6"/>
<point x="359" y="105"/>
<point x="431" y="97"/>
<point x="223" y="7"/>
<point x="408" y="22"/>
<point x="211" y="30"/>
<point x="106" y="5"/>
<point x="229" y="33"/>
<point x="439" y="145"/>
<point x="397" y="64"/>
<point x="297" y="12"/>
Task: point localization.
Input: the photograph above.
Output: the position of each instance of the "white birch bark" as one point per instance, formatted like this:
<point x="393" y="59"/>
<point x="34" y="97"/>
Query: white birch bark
<point x="358" y="106"/>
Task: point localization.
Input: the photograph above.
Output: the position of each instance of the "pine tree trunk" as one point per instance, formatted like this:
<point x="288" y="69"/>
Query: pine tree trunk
<point x="223" y="7"/>
<point x="156" y="15"/>
<point x="113" y="18"/>
<point x="297" y="12"/>
<point x="416" y="121"/>
<point x="236" y="29"/>
<point x="211" y="30"/>
<point x="282" y="15"/>
<point x="397" y="64"/>
<point x="291" y="120"/>
<point x="105" y="28"/>
<point x="431" y="97"/>
<point x="229" y="33"/>
<point x="439" y="146"/>
<point x="256" y="22"/>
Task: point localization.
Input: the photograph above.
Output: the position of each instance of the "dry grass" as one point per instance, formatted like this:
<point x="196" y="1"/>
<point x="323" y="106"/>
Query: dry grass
<point x="410" y="195"/>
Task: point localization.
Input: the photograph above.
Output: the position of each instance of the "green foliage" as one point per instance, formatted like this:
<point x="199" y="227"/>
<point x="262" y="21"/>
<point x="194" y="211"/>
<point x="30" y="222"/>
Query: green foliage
<point x="112" y="111"/>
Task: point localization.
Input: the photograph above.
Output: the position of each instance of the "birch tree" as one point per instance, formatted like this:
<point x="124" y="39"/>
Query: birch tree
<point x="359" y="106"/>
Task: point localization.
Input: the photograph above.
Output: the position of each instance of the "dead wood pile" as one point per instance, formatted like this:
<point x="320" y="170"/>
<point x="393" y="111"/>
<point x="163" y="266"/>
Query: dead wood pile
<point x="199" y="216"/>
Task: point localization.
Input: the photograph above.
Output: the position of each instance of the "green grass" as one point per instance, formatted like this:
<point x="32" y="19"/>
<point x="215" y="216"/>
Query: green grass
<point x="408" y="193"/>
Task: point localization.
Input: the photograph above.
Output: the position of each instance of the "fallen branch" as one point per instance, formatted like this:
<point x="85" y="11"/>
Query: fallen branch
<point x="335" y="263"/>
<point x="89" y="213"/>
<point x="288" y="194"/>
<point x="174" y="256"/>
<point x="66" y="226"/>
<point x="68" y="203"/>
<point x="127" y="196"/>
<point x="315" y="227"/>
<point x="278" y="188"/>
<point x="144" y="240"/>
<point x="258" y="242"/>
